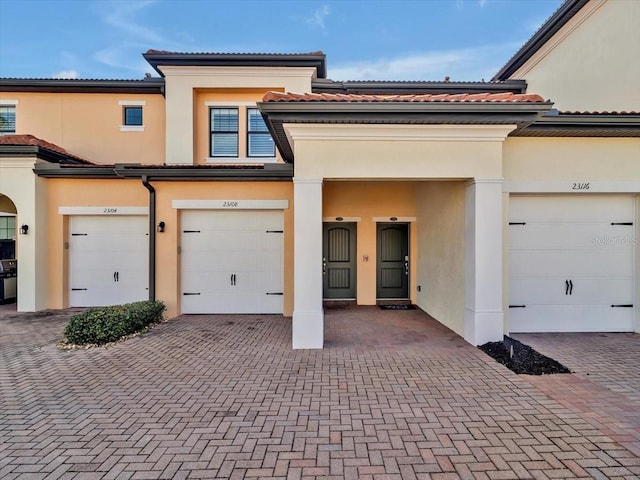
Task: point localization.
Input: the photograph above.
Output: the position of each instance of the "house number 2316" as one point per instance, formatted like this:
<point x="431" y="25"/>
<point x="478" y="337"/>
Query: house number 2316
<point x="229" y="204"/>
<point x="580" y="186"/>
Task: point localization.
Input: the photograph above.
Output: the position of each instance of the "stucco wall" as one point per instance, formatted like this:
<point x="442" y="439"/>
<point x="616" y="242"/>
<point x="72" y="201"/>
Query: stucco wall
<point x="26" y="191"/>
<point x="356" y="159"/>
<point x="88" y="125"/>
<point x="571" y="159"/>
<point x="591" y="64"/>
<point x="368" y="200"/>
<point x="440" y="267"/>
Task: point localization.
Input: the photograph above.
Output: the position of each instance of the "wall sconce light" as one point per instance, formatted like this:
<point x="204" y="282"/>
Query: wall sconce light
<point x="24" y="229"/>
<point x="161" y="227"/>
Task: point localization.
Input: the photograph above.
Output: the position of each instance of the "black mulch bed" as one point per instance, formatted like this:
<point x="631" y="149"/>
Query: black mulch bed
<point x="524" y="360"/>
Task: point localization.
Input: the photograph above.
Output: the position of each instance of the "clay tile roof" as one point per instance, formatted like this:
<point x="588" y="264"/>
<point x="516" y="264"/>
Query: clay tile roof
<point x="30" y="140"/>
<point x="425" y="98"/>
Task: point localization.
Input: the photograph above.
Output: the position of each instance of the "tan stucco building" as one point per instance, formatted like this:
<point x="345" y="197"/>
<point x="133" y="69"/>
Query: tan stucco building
<point x="251" y="183"/>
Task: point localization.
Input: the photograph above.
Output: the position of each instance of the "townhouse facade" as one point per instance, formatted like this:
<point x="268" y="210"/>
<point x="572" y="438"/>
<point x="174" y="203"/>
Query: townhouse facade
<point x="252" y="183"/>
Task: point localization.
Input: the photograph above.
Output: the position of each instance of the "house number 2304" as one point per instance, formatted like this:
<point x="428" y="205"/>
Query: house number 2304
<point x="580" y="186"/>
<point x="229" y="204"/>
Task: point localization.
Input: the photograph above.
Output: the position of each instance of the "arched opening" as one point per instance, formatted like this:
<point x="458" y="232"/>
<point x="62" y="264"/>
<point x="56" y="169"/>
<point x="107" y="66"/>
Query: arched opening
<point x="8" y="251"/>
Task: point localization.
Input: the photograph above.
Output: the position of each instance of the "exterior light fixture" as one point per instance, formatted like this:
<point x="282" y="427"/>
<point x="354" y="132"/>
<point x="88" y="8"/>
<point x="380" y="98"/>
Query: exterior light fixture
<point x="161" y="226"/>
<point x="24" y="229"/>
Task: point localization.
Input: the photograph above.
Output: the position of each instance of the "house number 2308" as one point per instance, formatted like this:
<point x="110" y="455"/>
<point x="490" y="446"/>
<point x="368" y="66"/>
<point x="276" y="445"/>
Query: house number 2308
<point x="580" y="186"/>
<point x="229" y="204"/>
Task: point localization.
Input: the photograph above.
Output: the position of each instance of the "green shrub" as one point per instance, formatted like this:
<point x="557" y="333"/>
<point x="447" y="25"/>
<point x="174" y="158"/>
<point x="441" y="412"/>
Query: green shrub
<point x="103" y="325"/>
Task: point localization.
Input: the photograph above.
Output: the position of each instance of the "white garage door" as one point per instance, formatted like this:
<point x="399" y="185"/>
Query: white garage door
<point x="232" y="261"/>
<point x="571" y="264"/>
<point x="108" y="259"/>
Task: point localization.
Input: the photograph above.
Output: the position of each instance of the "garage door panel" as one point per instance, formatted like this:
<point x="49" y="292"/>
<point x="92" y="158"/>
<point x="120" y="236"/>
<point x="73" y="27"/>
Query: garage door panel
<point x="565" y="263"/>
<point x="578" y="318"/>
<point x="559" y="239"/>
<point x="555" y="291"/>
<point x="573" y="235"/>
<point x="582" y="208"/>
<point x="238" y="303"/>
<point x="100" y="246"/>
<point x="231" y="264"/>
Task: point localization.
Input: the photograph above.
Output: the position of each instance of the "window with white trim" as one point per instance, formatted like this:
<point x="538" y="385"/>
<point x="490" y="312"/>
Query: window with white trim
<point x="259" y="140"/>
<point x="7" y="119"/>
<point x="132" y="115"/>
<point x="224" y="132"/>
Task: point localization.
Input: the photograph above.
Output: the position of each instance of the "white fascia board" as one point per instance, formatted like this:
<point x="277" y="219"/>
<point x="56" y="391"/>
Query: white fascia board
<point x="428" y="133"/>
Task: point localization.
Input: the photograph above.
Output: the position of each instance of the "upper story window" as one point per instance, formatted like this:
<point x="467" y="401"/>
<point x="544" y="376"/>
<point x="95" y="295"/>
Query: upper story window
<point x="7" y="119"/>
<point x="132" y="115"/>
<point x="224" y="132"/>
<point x="259" y="141"/>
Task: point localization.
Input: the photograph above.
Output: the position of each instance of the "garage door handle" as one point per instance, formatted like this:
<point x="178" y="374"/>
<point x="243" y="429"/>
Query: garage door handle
<point x="83" y="289"/>
<point x="517" y="306"/>
<point x="566" y="287"/>
<point x="621" y="223"/>
<point x="275" y="293"/>
<point x="570" y="287"/>
<point x="626" y="305"/>
<point x="191" y="293"/>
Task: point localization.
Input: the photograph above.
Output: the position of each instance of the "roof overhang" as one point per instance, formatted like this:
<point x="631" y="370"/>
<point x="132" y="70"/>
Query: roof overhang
<point x="324" y="85"/>
<point x="268" y="172"/>
<point x="40" y="153"/>
<point x="279" y="114"/>
<point x="583" y="125"/>
<point x="158" y="59"/>
<point x="560" y="17"/>
<point x="153" y="85"/>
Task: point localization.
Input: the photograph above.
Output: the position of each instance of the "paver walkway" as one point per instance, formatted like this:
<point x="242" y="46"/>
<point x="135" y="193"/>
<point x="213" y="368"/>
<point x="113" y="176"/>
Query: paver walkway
<point x="394" y="395"/>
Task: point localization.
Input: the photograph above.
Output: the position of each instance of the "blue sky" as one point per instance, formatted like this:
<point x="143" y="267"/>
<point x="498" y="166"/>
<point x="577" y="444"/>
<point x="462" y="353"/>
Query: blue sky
<point x="363" y="40"/>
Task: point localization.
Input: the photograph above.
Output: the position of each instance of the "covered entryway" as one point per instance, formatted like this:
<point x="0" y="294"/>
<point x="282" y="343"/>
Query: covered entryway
<point x="571" y="263"/>
<point x="232" y="261"/>
<point x="392" y="261"/>
<point x="339" y="261"/>
<point x="108" y="259"/>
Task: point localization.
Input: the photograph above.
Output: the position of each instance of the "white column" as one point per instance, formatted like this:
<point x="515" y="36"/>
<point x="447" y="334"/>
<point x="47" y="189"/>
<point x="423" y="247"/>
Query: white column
<point x="308" y="316"/>
<point x="483" y="317"/>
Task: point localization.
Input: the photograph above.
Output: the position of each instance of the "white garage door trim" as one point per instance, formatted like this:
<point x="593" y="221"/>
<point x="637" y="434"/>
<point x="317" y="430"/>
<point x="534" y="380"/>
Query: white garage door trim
<point x="572" y="263"/>
<point x="108" y="259"/>
<point x="232" y="261"/>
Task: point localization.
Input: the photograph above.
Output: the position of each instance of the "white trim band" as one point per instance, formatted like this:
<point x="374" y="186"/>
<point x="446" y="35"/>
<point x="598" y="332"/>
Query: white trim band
<point x="103" y="210"/>
<point x="342" y="219"/>
<point x="132" y="103"/>
<point x="583" y="186"/>
<point x="230" y="204"/>
<point x="393" y="219"/>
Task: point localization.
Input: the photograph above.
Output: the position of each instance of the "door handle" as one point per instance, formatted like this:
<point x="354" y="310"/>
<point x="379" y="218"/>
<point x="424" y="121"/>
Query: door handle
<point x="566" y="287"/>
<point x="233" y="279"/>
<point x="324" y="265"/>
<point x="570" y="287"/>
<point x="116" y="276"/>
<point x="406" y="268"/>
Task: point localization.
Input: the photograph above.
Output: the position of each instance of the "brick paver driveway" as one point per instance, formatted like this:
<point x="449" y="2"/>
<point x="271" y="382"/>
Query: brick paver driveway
<point x="393" y="395"/>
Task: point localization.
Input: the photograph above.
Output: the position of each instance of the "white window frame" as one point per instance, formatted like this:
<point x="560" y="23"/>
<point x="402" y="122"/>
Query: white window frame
<point x="132" y="103"/>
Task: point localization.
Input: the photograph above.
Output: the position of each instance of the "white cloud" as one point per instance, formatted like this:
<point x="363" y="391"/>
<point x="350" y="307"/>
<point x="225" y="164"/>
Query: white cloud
<point x="482" y="2"/>
<point x="130" y="36"/>
<point x="460" y="65"/>
<point x="319" y="16"/>
<point x="65" y="74"/>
